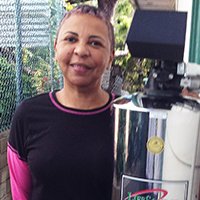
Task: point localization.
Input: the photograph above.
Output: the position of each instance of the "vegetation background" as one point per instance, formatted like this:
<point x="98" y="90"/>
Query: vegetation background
<point x="41" y="74"/>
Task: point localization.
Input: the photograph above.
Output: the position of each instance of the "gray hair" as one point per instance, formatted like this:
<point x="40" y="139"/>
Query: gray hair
<point x="93" y="11"/>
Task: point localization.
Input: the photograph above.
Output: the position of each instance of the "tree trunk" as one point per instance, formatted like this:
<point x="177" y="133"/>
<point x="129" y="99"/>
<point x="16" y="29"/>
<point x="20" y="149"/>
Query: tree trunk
<point x="107" y="6"/>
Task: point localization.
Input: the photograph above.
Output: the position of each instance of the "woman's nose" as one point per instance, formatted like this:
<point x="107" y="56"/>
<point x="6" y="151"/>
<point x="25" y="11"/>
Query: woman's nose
<point x="81" y="49"/>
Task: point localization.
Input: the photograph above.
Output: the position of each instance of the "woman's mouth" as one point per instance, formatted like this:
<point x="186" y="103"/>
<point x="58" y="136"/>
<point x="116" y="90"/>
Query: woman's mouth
<point x="80" y="68"/>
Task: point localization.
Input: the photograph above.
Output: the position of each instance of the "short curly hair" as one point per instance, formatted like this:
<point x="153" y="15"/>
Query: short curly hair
<point x="94" y="11"/>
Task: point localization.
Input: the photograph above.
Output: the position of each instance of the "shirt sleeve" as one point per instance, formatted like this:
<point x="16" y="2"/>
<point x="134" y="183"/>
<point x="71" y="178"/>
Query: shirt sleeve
<point x="20" y="177"/>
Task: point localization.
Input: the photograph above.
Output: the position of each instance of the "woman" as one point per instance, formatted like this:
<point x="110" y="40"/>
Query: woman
<point x="61" y="143"/>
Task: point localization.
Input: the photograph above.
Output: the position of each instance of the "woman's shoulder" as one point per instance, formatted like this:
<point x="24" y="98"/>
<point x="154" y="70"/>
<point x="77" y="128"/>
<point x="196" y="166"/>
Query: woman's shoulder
<point x="31" y="102"/>
<point x="37" y="98"/>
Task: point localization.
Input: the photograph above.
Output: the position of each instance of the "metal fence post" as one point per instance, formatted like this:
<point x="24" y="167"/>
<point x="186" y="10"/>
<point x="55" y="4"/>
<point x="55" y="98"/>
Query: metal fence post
<point x="51" y="57"/>
<point x="18" y="49"/>
<point x="60" y="11"/>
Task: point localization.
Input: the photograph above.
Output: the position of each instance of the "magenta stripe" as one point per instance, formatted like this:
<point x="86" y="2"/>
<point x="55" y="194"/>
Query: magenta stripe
<point x="14" y="151"/>
<point x="78" y="112"/>
<point x="20" y="176"/>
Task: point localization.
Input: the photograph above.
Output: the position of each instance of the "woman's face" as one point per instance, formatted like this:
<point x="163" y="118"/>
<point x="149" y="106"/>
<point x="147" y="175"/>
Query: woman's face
<point x="83" y="50"/>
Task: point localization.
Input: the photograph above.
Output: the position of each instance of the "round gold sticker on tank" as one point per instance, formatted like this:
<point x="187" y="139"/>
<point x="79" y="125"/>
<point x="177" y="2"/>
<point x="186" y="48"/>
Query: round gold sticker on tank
<point x="155" y="145"/>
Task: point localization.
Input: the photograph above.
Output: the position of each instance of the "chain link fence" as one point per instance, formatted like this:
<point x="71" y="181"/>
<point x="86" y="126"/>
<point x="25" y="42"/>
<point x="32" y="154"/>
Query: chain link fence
<point x="26" y="55"/>
<point x="27" y="68"/>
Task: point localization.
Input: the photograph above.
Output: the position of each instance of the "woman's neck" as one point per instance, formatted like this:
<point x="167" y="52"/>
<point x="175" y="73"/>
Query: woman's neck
<point x="80" y="99"/>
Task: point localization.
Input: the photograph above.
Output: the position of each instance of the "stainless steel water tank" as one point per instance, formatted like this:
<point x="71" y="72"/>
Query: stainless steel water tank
<point x="157" y="151"/>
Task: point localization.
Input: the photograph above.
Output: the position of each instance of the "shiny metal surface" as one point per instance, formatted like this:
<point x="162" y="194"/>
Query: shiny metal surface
<point x="142" y="148"/>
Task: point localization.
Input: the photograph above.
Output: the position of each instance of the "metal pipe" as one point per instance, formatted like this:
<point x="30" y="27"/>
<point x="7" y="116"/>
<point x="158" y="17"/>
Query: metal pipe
<point x="194" y="158"/>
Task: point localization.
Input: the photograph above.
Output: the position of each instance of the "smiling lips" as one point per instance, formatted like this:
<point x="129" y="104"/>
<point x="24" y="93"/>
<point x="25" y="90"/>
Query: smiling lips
<point x="80" y="68"/>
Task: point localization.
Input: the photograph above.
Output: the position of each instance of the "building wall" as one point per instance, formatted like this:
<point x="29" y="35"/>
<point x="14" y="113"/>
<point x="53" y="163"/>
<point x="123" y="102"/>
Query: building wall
<point x="4" y="174"/>
<point x="186" y="6"/>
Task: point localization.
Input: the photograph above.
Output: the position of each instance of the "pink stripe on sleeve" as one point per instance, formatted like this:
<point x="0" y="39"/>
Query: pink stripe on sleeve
<point x="20" y="177"/>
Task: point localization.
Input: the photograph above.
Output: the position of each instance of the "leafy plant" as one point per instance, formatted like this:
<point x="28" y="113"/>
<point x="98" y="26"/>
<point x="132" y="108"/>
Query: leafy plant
<point x="7" y="93"/>
<point x="133" y="71"/>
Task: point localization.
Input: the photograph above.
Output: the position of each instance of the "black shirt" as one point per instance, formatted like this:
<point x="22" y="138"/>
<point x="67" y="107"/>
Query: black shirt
<point x="69" y="151"/>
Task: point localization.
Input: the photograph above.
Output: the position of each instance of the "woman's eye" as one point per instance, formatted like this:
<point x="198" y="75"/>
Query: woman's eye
<point x="71" y="39"/>
<point x="95" y="43"/>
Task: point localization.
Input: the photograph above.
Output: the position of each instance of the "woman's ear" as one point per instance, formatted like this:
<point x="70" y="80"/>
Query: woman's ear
<point x="55" y="44"/>
<point x="112" y="55"/>
<point x="55" y="49"/>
